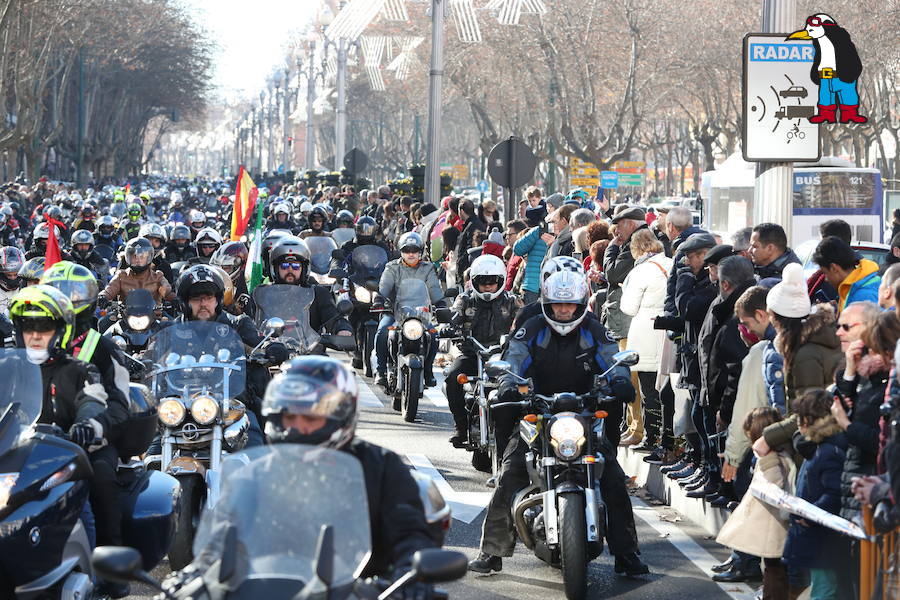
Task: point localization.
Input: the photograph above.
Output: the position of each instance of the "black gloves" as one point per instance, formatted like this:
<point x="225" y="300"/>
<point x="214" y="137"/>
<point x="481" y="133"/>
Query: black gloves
<point x="83" y="434"/>
<point x="277" y="353"/>
<point x="623" y="390"/>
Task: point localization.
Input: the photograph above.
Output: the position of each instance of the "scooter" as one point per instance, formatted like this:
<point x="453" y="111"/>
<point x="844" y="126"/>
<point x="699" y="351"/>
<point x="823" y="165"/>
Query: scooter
<point x="44" y="482"/>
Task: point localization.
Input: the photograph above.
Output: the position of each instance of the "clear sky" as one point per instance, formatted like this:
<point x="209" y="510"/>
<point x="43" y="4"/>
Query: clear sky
<point x="252" y="36"/>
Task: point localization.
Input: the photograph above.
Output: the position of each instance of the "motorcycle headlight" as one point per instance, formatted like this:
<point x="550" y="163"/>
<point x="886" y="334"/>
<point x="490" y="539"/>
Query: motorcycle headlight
<point x="171" y="412"/>
<point x="139" y="323"/>
<point x="362" y="295"/>
<point x="413" y="329"/>
<point x="567" y="437"/>
<point x="204" y="410"/>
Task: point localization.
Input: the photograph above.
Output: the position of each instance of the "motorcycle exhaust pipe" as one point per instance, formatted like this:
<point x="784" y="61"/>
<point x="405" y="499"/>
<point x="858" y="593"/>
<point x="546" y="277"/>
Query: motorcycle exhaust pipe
<point x="519" y="519"/>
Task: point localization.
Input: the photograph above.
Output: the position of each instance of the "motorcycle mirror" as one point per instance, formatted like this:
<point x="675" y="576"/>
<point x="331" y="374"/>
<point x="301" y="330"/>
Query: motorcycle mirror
<point x="121" y="564"/>
<point x="496" y="368"/>
<point x="438" y="566"/>
<point x="345" y="307"/>
<point x="275" y="326"/>
<point x="629" y="358"/>
<point x="451" y="292"/>
<point x="120" y="342"/>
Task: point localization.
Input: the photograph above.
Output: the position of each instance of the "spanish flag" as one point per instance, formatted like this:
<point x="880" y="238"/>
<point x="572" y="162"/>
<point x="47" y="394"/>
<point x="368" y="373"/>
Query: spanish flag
<point x="244" y="202"/>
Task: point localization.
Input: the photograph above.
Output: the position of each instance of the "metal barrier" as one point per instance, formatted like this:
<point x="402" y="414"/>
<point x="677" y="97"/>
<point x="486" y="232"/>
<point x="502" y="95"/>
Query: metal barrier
<point x="879" y="563"/>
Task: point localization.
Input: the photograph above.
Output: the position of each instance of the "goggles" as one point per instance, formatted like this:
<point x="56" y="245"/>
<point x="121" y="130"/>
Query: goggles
<point x="39" y="324"/>
<point x="817" y="22"/>
<point x="293" y="266"/>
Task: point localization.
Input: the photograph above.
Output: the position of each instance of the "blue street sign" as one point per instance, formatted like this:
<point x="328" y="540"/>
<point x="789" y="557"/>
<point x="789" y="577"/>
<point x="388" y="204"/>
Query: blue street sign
<point x="280" y="169"/>
<point x="482" y="186"/>
<point x="609" y="180"/>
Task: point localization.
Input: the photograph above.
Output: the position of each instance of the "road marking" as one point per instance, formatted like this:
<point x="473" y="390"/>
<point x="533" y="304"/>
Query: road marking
<point x="465" y="506"/>
<point x="367" y="397"/>
<point x="693" y="551"/>
<point x="436" y="395"/>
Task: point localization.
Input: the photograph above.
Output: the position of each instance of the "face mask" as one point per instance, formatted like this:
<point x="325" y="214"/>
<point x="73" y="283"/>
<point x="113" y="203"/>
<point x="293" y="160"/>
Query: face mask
<point x="37" y="357"/>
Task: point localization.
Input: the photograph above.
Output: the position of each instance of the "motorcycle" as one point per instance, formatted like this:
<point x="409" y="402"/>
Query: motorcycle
<point x="560" y="515"/>
<point x="320" y="249"/>
<point x="408" y="342"/>
<point x="198" y="370"/>
<point x="361" y="284"/>
<point x="342" y="235"/>
<point x="44" y="484"/>
<point x="290" y="304"/>
<point x="481" y="391"/>
<point x="291" y="523"/>
<point x="136" y="322"/>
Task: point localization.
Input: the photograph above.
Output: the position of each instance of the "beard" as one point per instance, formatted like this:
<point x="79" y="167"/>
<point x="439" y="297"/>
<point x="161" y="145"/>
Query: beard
<point x="289" y="277"/>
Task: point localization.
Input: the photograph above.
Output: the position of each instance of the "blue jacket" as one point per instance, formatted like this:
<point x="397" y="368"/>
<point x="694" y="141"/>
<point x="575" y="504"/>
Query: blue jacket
<point x="533" y="249"/>
<point x="815" y="546"/>
<point x="863" y="284"/>
<point x="773" y="372"/>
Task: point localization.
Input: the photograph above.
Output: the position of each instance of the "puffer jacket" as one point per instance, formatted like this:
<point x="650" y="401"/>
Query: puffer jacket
<point x="866" y="395"/>
<point x="484" y="321"/>
<point x="643" y="297"/>
<point x="533" y="249"/>
<point x="773" y="372"/>
<point x="818" y="356"/>
<point x="126" y="280"/>
<point x="396" y="272"/>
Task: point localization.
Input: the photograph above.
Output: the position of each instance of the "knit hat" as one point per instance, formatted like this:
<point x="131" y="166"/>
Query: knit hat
<point x="790" y="298"/>
<point x="495" y="238"/>
<point x="535" y="215"/>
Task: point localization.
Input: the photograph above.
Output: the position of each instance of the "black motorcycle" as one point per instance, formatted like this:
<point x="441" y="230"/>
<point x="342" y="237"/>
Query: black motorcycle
<point x="44" y="481"/>
<point x="291" y="523"/>
<point x="136" y="321"/>
<point x="361" y="285"/>
<point x="560" y="515"/>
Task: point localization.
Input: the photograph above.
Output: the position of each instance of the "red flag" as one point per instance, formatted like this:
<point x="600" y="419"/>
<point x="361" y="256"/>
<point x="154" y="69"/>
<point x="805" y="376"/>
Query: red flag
<point x="53" y="255"/>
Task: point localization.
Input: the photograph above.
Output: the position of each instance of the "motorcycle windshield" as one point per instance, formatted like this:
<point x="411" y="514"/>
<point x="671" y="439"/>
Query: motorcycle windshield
<point x="21" y="393"/>
<point x="105" y="251"/>
<point x="367" y="263"/>
<point x="320" y="248"/>
<point x="188" y="358"/>
<point x="289" y="303"/>
<point x="278" y="504"/>
<point x="343" y="235"/>
<point x="412" y="297"/>
<point x="117" y="209"/>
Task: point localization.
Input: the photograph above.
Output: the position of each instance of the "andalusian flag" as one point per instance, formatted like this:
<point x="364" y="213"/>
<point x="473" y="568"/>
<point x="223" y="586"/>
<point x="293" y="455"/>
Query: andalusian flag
<point x="244" y="202"/>
<point x="253" y="271"/>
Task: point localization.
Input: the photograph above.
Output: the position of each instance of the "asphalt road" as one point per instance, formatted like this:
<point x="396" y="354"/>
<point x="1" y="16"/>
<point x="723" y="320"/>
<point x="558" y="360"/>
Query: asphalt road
<point x="678" y="554"/>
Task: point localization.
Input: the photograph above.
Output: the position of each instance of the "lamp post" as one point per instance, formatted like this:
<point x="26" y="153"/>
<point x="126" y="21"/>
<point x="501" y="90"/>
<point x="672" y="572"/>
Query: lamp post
<point x="285" y="120"/>
<point x="262" y="119"/>
<point x="433" y="158"/>
<point x="310" y="100"/>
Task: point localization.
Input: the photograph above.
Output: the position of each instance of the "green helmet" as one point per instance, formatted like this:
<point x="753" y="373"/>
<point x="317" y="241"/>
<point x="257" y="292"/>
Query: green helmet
<point x="76" y="282"/>
<point x="135" y="212"/>
<point x="48" y="305"/>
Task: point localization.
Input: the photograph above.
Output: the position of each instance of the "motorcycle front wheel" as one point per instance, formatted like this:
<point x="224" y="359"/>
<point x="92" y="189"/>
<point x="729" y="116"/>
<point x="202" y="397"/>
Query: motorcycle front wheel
<point x="573" y="545"/>
<point x="181" y="553"/>
<point x="412" y="390"/>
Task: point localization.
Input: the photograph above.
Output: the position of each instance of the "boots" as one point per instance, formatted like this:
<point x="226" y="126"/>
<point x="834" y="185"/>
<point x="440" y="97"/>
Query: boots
<point x="826" y="114"/>
<point x="849" y="114"/>
<point x="775" y="582"/>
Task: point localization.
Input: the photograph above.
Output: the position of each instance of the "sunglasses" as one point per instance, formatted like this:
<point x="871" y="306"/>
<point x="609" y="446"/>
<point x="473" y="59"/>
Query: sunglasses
<point x="816" y="22"/>
<point x="37" y="325"/>
<point x="290" y="265"/>
<point x="847" y="326"/>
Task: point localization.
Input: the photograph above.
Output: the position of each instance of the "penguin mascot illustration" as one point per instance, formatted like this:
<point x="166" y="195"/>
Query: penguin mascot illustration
<point x="836" y="67"/>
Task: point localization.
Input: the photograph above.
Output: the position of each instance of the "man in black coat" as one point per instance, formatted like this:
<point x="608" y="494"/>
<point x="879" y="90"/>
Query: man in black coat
<point x="471" y="224"/>
<point x="769" y="250"/>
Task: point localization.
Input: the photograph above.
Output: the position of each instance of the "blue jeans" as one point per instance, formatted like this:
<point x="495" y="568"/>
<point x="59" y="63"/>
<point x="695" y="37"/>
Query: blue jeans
<point x="381" y="348"/>
<point x="834" y="91"/>
<point x="90" y="527"/>
<point x="704" y="419"/>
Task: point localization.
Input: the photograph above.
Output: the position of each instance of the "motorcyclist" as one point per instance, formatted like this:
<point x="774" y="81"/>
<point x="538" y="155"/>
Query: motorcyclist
<point x="85" y="220"/>
<point x="133" y="221"/>
<point x="73" y="398"/>
<point x="139" y="274"/>
<point x="344" y="219"/>
<point x="366" y="230"/>
<point x="231" y="257"/>
<point x="410" y="265"/>
<point x="561" y="350"/>
<point x="84" y="254"/>
<point x="11" y="261"/>
<point x="314" y="402"/>
<point x="484" y="313"/>
<point x="106" y="234"/>
<point x="318" y="219"/>
<point x="281" y="219"/>
<point x="157" y="236"/>
<point x="39" y="239"/>
<point x="31" y="271"/>
<point x="9" y="236"/>
<point x="197" y="222"/>
<point x="179" y="248"/>
<point x="289" y="264"/>
<point x="207" y="241"/>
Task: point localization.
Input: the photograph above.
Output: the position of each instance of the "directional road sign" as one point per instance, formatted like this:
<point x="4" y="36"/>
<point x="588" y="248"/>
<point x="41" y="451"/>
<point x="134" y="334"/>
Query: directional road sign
<point x="609" y="180"/>
<point x="482" y="186"/>
<point x="778" y="98"/>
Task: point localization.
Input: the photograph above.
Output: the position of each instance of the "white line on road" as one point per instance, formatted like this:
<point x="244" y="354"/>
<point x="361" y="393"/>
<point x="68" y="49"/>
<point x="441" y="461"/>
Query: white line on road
<point x="465" y="506"/>
<point x="695" y="553"/>
<point x="436" y="395"/>
<point x="367" y="397"/>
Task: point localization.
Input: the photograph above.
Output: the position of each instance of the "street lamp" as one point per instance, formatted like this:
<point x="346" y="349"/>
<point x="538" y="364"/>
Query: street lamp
<point x="261" y="121"/>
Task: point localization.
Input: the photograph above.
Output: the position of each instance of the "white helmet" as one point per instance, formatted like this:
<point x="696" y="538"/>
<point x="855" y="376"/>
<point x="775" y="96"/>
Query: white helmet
<point x="487" y="268"/>
<point x="209" y="234"/>
<point x="565" y="287"/>
<point x="306" y="206"/>
<point x="156" y="230"/>
<point x="281" y="207"/>
<point x="561" y="263"/>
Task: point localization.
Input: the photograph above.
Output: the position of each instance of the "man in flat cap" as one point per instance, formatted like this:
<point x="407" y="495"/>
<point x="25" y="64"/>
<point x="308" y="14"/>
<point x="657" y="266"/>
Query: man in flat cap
<point x="617" y="264"/>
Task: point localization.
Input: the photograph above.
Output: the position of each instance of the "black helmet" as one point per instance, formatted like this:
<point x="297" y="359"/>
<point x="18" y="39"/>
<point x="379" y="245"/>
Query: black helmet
<point x="139" y="254"/>
<point x="82" y="236"/>
<point x="106" y="226"/>
<point x="197" y="280"/>
<point x="365" y="230"/>
<point x="289" y="249"/>
<point x="317" y="213"/>
<point x="315" y="386"/>
<point x="181" y="236"/>
<point x="344" y="217"/>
